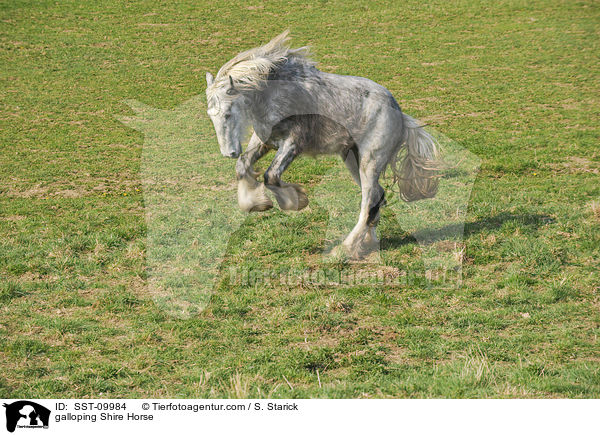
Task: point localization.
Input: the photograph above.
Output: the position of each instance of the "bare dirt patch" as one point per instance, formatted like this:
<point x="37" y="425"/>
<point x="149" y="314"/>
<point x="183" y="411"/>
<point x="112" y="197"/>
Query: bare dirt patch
<point x="573" y="165"/>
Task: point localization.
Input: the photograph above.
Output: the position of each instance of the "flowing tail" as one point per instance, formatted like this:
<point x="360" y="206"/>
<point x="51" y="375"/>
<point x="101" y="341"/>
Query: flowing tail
<point x="415" y="166"/>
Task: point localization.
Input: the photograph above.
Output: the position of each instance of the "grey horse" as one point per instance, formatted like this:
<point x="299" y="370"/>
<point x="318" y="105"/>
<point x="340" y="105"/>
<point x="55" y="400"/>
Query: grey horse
<point x="294" y="108"/>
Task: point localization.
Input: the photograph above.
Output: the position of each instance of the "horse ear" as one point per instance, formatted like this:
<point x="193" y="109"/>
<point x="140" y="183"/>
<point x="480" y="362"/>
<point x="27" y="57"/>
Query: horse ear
<point x="209" y="79"/>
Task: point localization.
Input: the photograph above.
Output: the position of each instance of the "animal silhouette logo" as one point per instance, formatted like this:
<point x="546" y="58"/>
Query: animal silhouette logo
<point x="192" y="210"/>
<point x="26" y="414"/>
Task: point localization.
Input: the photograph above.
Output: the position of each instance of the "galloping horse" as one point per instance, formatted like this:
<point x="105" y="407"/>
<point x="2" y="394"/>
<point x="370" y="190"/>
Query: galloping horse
<point x="294" y="108"/>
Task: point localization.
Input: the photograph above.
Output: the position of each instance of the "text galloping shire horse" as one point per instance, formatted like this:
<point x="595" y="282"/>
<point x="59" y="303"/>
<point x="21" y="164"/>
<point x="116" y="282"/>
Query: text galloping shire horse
<point x="294" y="108"/>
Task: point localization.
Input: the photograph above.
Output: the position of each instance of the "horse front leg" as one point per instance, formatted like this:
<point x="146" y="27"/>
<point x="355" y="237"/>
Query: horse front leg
<point x="289" y="196"/>
<point x="251" y="193"/>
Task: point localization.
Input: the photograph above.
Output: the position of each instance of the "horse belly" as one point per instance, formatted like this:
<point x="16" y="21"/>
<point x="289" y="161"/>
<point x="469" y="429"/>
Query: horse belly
<point x="327" y="137"/>
<point x="329" y="148"/>
<point x="313" y="134"/>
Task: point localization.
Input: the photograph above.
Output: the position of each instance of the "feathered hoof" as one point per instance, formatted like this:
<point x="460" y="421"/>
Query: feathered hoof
<point x="252" y="196"/>
<point x="302" y="197"/>
<point x="360" y="248"/>
<point x="290" y="196"/>
<point x="339" y="254"/>
<point x="256" y="204"/>
<point x="263" y="205"/>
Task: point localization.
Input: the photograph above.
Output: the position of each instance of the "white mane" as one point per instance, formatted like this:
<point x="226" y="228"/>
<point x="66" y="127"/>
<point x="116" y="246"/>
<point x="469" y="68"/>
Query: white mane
<point x="250" y="69"/>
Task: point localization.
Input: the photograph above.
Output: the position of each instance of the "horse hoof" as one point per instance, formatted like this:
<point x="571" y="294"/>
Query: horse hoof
<point x="339" y="254"/>
<point x="290" y="196"/>
<point x="358" y="250"/>
<point x="357" y="254"/>
<point x="344" y="254"/>
<point x="256" y="203"/>
<point x="252" y="197"/>
<point x="263" y="206"/>
<point x="302" y="197"/>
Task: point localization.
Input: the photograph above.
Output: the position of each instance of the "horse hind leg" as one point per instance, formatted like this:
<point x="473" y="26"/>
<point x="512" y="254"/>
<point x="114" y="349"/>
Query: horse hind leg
<point x="362" y="240"/>
<point x="373" y="218"/>
<point x="289" y="196"/>
<point x="350" y="158"/>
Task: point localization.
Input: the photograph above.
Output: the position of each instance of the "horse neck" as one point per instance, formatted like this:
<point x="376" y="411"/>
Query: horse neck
<point x="278" y="100"/>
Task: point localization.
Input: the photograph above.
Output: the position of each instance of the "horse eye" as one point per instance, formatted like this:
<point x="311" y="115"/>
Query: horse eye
<point x="227" y="115"/>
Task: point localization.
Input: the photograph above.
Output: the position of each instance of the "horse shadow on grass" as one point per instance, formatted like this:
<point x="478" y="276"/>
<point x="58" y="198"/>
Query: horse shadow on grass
<point x="396" y="239"/>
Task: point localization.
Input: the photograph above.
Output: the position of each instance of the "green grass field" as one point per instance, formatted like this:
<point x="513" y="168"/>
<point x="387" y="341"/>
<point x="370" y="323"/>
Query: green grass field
<point x="516" y="83"/>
